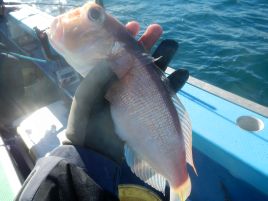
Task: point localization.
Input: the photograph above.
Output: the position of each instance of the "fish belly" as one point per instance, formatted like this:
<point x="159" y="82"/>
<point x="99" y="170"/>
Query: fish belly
<point x="142" y="115"/>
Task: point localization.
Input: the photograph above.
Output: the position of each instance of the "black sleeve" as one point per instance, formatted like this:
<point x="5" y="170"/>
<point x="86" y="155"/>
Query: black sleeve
<point x="62" y="176"/>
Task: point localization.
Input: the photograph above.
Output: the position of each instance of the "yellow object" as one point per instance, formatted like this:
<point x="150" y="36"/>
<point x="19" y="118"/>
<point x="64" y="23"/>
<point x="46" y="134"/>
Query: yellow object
<point x="130" y="192"/>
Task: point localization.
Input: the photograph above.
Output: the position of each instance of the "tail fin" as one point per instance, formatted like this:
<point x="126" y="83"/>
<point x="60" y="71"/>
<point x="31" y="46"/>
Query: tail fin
<point x="182" y="192"/>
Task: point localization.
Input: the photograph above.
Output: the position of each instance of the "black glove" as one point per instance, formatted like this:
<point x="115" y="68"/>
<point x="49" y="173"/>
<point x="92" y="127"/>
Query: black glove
<point x="90" y="123"/>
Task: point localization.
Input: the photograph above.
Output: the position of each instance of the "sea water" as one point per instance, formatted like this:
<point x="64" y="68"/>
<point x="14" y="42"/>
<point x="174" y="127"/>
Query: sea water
<point x="223" y="42"/>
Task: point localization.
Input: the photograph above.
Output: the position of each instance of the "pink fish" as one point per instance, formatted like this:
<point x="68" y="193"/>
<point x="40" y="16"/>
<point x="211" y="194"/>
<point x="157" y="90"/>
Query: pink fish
<point x="153" y="124"/>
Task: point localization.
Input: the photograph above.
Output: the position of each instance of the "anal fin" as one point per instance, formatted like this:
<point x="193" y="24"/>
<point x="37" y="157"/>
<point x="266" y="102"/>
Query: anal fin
<point x="143" y="170"/>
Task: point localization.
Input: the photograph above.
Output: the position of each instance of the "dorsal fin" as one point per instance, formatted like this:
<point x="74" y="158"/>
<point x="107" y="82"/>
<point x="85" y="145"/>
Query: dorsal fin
<point x="186" y="128"/>
<point x="100" y="3"/>
<point x="183" y="117"/>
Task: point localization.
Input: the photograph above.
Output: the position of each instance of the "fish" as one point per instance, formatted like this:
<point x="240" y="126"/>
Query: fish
<point x="147" y="115"/>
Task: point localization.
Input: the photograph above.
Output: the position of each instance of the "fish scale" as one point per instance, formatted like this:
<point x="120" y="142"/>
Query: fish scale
<point x="154" y="112"/>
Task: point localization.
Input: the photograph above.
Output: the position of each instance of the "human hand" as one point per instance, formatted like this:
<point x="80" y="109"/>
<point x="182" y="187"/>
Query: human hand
<point x="90" y="123"/>
<point x="165" y="51"/>
<point x="150" y="36"/>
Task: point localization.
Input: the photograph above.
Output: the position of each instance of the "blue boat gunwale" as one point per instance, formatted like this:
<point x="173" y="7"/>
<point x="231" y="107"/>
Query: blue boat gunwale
<point x="231" y="97"/>
<point x="214" y="140"/>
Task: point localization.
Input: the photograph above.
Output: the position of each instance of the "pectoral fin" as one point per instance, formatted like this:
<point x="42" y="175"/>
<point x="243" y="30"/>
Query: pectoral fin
<point x="143" y="170"/>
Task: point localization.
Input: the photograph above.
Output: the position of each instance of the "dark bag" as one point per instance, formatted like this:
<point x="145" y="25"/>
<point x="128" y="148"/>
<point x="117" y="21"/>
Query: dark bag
<point x="61" y="176"/>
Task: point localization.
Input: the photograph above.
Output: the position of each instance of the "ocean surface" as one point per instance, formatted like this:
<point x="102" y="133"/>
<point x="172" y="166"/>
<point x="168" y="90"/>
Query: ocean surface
<point x="223" y="42"/>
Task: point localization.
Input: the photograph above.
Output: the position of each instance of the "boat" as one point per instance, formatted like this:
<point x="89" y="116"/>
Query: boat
<point x="230" y="133"/>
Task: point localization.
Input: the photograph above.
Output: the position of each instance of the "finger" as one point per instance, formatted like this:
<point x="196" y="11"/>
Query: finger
<point x="133" y="27"/>
<point x="165" y="52"/>
<point x="178" y="78"/>
<point x="151" y="35"/>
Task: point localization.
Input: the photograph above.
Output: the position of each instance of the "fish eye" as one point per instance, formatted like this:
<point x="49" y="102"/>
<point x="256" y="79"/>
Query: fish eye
<point x="94" y="14"/>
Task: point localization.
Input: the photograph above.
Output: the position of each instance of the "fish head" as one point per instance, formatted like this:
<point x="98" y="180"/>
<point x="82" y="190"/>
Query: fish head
<point x="80" y="35"/>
